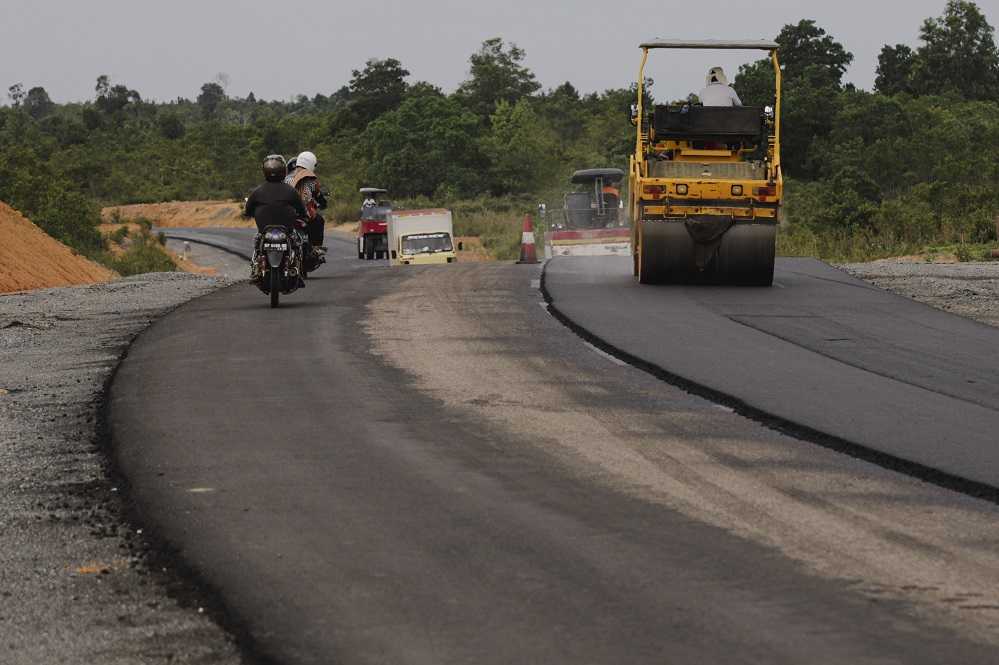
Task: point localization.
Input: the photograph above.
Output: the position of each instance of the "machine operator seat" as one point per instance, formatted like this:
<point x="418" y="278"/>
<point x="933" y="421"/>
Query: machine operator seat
<point x="709" y="123"/>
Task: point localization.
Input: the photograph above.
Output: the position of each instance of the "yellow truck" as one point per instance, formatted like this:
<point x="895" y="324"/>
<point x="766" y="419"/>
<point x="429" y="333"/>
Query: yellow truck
<point x="419" y="237"/>
<point x="706" y="184"/>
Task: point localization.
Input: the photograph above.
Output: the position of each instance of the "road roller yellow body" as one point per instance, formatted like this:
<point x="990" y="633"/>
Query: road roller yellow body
<point x="705" y="185"/>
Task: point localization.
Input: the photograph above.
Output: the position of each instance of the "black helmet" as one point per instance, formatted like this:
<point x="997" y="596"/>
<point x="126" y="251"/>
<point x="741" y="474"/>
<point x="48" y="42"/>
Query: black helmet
<point x="274" y="168"/>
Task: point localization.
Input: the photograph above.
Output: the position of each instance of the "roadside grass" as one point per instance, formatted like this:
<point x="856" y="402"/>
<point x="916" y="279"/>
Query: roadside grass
<point x="840" y="246"/>
<point x="961" y="252"/>
<point x="498" y="232"/>
<point x="133" y="253"/>
<point x="860" y="247"/>
<point x="496" y="221"/>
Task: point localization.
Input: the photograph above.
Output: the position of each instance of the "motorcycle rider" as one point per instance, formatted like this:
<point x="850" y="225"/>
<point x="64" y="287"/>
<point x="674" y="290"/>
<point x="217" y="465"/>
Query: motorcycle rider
<point x="274" y="203"/>
<point x="302" y="176"/>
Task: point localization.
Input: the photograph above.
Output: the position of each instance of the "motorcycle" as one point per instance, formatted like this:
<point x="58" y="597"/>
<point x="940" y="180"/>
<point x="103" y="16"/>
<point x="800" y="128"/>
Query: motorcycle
<point x="278" y="266"/>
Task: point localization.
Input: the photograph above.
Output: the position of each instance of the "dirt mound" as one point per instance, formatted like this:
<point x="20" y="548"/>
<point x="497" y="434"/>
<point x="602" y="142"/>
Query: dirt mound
<point x="175" y="214"/>
<point x="31" y="259"/>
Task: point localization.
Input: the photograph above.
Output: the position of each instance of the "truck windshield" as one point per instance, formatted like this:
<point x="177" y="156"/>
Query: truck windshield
<point x="426" y="243"/>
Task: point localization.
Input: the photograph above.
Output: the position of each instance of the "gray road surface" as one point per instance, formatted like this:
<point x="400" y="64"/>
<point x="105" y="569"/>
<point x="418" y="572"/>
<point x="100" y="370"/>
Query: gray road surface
<point x="235" y="241"/>
<point x="422" y="466"/>
<point x="226" y="264"/>
<point x="822" y="349"/>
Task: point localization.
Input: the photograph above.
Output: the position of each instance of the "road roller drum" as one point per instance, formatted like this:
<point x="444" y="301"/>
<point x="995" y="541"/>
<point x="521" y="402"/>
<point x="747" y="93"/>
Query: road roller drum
<point x="742" y="256"/>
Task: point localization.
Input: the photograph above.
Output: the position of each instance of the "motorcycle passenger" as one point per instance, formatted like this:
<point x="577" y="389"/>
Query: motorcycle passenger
<point x="303" y="178"/>
<point x="274" y="203"/>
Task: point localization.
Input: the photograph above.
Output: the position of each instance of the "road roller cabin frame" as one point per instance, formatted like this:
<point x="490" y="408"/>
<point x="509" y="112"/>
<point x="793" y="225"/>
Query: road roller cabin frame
<point x="705" y="184"/>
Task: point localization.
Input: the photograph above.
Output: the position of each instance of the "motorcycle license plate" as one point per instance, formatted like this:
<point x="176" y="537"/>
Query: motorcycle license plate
<point x="274" y="245"/>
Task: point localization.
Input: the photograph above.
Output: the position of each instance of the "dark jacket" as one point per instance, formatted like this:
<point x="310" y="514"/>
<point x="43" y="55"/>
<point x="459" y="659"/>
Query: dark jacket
<point x="275" y="204"/>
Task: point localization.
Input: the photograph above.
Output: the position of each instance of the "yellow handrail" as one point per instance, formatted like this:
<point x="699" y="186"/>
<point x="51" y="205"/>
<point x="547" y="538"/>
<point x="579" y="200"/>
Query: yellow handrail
<point x="641" y="103"/>
<point x="778" y="82"/>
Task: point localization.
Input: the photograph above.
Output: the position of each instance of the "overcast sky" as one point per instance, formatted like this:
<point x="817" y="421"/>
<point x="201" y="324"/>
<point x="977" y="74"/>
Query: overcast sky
<point x="168" y="48"/>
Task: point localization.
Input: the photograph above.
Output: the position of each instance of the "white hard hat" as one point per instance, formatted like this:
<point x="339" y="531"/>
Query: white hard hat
<point x="307" y="161"/>
<point x="717" y="75"/>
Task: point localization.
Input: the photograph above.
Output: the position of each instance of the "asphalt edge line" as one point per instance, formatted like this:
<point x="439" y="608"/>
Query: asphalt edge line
<point x="181" y="581"/>
<point x="927" y="474"/>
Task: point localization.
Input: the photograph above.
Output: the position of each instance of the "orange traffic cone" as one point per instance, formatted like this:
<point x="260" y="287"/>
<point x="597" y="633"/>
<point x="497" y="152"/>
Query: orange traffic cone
<point x="527" y="253"/>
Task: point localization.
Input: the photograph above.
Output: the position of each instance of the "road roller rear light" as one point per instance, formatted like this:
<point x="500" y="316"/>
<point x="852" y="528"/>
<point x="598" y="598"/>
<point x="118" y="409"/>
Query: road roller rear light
<point x="765" y="191"/>
<point x="736" y="190"/>
<point x="653" y="190"/>
<point x="681" y="190"/>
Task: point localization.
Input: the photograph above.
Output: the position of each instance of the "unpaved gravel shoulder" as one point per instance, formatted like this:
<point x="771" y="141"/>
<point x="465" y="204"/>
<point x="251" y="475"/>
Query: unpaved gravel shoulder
<point x="76" y="585"/>
<point x="967" y="289"/>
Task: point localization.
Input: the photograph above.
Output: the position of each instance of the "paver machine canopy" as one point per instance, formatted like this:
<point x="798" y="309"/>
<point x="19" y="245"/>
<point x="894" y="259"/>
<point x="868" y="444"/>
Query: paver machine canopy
<point x="705" y="183"/>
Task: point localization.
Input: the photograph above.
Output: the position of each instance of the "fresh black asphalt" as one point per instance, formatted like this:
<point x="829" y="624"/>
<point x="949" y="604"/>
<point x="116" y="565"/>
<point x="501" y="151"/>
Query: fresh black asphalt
<point x="820" y="349"/>
<point x="344" y="516"/>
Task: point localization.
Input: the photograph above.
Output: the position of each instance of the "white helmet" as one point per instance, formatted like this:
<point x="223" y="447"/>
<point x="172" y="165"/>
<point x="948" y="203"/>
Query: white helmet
<point x="717" y="75"/>
<point x="307" y="161"/>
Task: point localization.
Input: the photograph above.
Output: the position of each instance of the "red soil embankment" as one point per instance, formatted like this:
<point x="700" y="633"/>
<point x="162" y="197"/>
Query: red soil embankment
<point x="31" y="259"/>
<point x="182" y="213"/>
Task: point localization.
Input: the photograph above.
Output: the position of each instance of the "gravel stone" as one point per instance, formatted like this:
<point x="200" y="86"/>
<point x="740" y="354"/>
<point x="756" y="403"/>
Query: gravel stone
<point x="967" y="289"/>
<point x="76" y="580"/>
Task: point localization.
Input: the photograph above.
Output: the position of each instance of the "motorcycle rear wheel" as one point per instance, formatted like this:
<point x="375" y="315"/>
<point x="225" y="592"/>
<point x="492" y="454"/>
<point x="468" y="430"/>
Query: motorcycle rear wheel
<point x="275" y="277"/>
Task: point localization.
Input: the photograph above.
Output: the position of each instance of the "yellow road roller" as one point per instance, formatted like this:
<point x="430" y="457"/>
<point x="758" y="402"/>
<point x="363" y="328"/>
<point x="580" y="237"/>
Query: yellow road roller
<point x="706" y="184"/>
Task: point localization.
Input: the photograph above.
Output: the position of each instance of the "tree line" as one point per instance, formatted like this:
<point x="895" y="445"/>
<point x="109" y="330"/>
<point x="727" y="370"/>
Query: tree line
<point x="913" y="162"/>
<point x="916" y="159"/>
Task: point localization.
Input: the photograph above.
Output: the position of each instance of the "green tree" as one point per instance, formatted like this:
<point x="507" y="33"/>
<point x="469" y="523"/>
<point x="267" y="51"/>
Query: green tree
<point x="563" y="109"/>
<point x="496" y="74"/>
<point x="171" y="126"/>
<point x="894" y="73"/>
<point x="518" y="149"/>
<point x="804" y="45"/>
<point x="813" y="63"/>
<point x="37" y="103"/>
<point x="810" y="103"/>
<point x="422" y="88"/>
<point x="211" y="98"/>
<point x="958" y="53"/>
<point x="755" y="83"/>
<point x="427" y="144"/>
<point x="376" y="89"/>
<point x="112" y="100"/>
